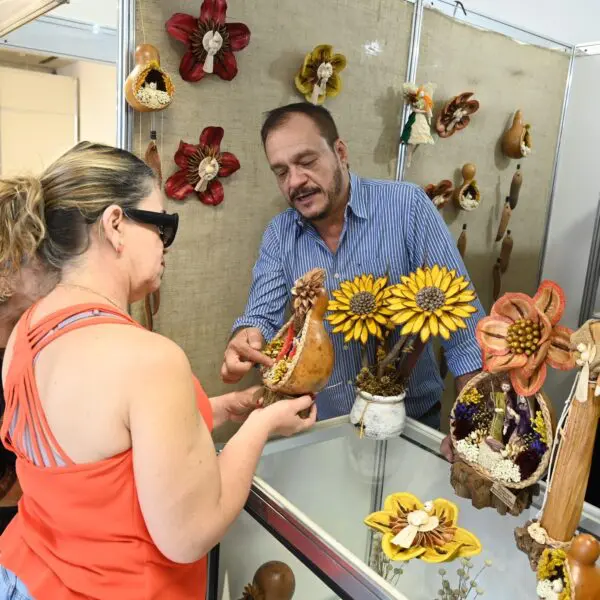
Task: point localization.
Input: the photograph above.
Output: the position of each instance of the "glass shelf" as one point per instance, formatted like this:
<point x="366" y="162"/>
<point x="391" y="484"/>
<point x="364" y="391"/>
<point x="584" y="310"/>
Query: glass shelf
<point x="312" y="493"/>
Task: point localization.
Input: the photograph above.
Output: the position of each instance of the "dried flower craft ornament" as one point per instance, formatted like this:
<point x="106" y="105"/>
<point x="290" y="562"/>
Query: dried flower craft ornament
<point x="456" y="114"/>
<point x="417" y="129"/>
<point x="210" y="41"/>
<point x="427" y="531"/>
<point x="200" y="168"/>
<point x="441" y="193"/>
<point x="319" y="77"/>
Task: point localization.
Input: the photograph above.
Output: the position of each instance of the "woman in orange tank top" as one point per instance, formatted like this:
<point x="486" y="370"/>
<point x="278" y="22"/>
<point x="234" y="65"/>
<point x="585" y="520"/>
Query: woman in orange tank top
<point x="123" y="494"/>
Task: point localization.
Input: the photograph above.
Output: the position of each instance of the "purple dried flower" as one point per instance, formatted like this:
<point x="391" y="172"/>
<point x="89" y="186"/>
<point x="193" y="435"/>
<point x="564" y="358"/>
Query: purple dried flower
<point x="464" y="412"/>
<point x="538" y="446"/>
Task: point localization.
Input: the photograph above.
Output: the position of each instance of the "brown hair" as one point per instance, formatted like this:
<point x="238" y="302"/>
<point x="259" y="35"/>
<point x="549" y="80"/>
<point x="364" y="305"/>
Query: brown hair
<point x="49" y="217"/>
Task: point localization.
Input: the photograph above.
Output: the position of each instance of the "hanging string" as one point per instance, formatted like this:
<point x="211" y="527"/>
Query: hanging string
<point x="557" y="443"/>
<point x="162" y="122"/>
<point x="141" y="9"/>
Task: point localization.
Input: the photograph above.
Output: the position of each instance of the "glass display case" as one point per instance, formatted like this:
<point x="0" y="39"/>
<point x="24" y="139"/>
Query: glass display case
<point x="307" y="507"/>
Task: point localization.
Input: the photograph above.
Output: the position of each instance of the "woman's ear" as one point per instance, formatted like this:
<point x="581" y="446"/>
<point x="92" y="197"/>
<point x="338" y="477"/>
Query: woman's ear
<point x="112" y="226"/>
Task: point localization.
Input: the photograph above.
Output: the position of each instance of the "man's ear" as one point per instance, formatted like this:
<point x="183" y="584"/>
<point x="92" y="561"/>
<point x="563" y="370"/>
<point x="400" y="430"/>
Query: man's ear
<point x="342" y="151"/>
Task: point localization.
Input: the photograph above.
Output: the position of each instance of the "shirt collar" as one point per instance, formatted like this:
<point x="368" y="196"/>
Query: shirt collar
<point x="356" y="204"/>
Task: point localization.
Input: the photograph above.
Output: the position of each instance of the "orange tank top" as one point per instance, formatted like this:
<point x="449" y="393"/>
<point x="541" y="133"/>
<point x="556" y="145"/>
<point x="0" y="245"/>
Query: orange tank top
<point x="79" y="532"/>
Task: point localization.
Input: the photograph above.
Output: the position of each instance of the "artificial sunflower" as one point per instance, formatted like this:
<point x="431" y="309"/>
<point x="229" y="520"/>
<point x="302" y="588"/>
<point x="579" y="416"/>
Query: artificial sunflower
<point x="199" y="166"/>
<point x="319" y="77"/>
<point x="522" y="336"/>
<point x="428" y="531"/>
<point x="359" y="308"/>
<point x="431" y="302"/>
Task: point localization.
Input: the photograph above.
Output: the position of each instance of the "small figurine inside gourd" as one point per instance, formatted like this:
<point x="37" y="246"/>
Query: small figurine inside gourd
<point x="302" y="349"/>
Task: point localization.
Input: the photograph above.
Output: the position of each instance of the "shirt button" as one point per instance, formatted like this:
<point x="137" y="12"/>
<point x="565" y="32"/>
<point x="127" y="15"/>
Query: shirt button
<point x="337" y="275"/>
<point x="349" y="381"/>
<point x="345" y="347"/>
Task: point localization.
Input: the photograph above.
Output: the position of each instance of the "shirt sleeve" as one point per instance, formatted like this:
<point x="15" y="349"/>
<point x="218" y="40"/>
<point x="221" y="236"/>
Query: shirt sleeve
<point x="430" y="242"/>
<point x="268" y="295"/>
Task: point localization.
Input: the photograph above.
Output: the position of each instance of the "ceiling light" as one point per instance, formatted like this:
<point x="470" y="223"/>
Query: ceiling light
<point x="16" y="13"/>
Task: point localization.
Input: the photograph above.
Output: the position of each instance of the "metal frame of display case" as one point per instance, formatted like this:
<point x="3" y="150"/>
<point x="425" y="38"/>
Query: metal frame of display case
<point x="349" y="578"/>
<point x="592" y="275"/>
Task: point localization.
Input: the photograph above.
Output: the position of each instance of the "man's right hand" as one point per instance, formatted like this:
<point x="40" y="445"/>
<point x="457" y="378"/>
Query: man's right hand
<point x="243" y="351"/>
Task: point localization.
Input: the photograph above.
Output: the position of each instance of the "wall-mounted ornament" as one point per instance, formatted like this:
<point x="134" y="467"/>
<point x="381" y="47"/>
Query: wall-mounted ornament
<point x="515" y="187"/>
<point x="504" y="220"/>
<point x="506" y="251"/>
<point x="209" y="40"/>
<point x="467" y="195"/>
<point x="272" y="581"/>
<point x="319" y="77"/>
<point x="441" y="193"/>
<point x="200" y="168"/>
<point x="516" y="141"/>
<point x="456" y="115"/>
<point x="496" y="280"/>
<point x="148" y="87"/>
<point x="462" y="241"/>
<point x="424" y="530"/>
<point x="417" y="129"/>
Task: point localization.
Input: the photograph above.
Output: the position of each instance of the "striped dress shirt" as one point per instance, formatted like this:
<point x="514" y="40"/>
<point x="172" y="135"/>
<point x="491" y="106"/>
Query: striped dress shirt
<point x="389" y="226"/>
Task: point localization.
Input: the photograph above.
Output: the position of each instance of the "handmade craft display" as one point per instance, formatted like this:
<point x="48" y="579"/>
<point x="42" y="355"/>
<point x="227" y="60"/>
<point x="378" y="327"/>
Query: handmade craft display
<point x="467" y="195"/>
<point x="209" y="40"/>
<point x="441" y="193"/>
<point x="505" y="251"/>
<point x="424" y="530"/>
<point x="501" y="424"/>
<point x="504" y="220"/>
<point x="148" y="87"/>
<point x="200" y="168"/>
<point x="302" y="349"/>
<point x="430" y="302"/>
<point x="456" y="114"/>
<point x="496" y="280"/>
<point x="516" y="141"/>
<point x="572" y="574"/>
<point x="417" y="129"/>
<point x="572" y="451"/>
<point x="319" y="77"/>
<point x="515" y="188"/>
<point x="272" y="581"/>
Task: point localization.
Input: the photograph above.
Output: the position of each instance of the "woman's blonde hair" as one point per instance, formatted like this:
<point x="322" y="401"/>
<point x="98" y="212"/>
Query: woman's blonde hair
<point x="49" y="217"/>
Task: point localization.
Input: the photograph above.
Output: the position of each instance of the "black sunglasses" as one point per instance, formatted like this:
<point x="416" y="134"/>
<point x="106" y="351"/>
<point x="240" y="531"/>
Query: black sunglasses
<point x="166" y="223"/>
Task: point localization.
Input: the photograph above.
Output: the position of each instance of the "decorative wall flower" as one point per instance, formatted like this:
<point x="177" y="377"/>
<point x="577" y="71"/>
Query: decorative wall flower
<point x="426" y="531"/>
<point x="359" y="308"/>
<point x="319" y="77"/>
<point x="431" y="302"/>
<point x="210" y="41"/>
<point x="522" y="336"/>
<point x="199" y="166"/>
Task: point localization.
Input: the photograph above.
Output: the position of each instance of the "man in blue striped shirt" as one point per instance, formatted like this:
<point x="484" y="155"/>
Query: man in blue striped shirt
<point x="347" y="225"/>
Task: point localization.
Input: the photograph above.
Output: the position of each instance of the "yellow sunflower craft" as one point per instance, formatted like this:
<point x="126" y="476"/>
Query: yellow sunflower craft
<point x="359" y="308"/>
<point x="431" y="301"/>
<point x="427" y="531"/>
<point x="319" y="77"/>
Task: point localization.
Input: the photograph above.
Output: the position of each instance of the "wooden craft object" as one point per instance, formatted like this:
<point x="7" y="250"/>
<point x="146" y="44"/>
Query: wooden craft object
<point x="441" y="193"/>
<point x="505" y="251"/>
<point x="515" y="187"/>
<point x="152" y="158"/>
<point x="583" y="571"/>
<point x="462" y="241"/>
<point x="467" y="195"/>
<point x="504" y="220"/>
<point x="456" y="114"/>
<point x="151" y="306"/>
<point x="496" y="280"/>
<point x="469" y="484"/>
<point x="272" y="581"/>
<point x="566" y="497"/>
<point x="516" y="141"/>
<point x="528" y="545"/>
<point x="148" y="87"/>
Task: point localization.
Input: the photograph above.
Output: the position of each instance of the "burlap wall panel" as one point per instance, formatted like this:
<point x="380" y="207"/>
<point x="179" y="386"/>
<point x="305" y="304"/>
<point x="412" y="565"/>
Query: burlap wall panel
<point x="209" y="267"/>
<point x="505" y="75"/>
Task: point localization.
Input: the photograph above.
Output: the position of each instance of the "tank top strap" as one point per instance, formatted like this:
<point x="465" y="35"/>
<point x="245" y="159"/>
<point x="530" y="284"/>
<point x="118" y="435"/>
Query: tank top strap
<point x="25" y="429"/>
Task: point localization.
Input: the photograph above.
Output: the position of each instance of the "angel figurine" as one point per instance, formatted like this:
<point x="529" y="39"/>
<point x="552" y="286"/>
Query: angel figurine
<point x="417" y="130"/>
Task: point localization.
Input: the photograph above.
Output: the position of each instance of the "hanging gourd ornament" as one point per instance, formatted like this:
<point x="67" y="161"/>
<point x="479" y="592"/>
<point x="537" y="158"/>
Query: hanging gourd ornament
<point x="516" y="141"/>
<point x="148" y="87"/>
<point x="468" y="195"/>
<point x="319" y="77"/>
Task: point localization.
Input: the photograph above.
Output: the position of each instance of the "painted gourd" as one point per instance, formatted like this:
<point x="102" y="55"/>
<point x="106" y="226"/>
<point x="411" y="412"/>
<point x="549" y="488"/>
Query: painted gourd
<point x="148" y="87"/>
<point x="516" y="141"/>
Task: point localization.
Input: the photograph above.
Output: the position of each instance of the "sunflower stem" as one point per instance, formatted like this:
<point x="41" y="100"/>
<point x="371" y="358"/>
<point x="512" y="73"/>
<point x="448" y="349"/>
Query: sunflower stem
<point x="410" y="359"/>
<point x="393" y="354"/>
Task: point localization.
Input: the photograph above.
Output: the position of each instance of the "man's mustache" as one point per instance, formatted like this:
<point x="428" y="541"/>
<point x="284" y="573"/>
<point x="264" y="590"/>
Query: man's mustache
<point x="303" y="191"/>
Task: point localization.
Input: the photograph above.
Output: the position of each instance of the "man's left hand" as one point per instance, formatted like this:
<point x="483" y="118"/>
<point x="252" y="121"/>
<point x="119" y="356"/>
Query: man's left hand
<point x="240" y="404"/>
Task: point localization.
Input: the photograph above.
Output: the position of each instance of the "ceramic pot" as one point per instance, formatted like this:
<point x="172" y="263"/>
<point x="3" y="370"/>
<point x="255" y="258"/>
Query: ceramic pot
<point x="382" y="417"/>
